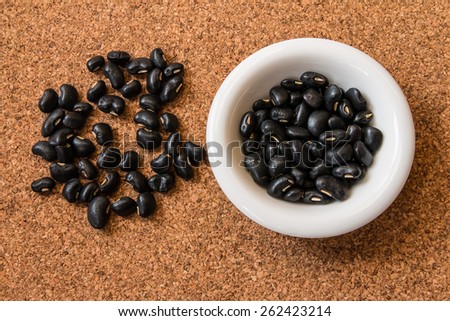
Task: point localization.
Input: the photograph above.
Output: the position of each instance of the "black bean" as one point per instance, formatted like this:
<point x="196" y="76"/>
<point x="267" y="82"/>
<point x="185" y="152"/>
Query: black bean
<point x="182" y="166"/>
<point x="301" y="114"/>
<point x="173" y="69"/>
<point x="87" y="169"/>
<point x="48" y="101"/>
<point x="158" y="59"/>
<point x="277" y="166"/>
<point x="350" y="172"/>
<point x="362" y="154"/>
<point x="196" y="153"/>
<point x="71" y="190"/>
<point x="312" y="196"/>
<point x="257" y="168"/>
<point x="124" y="206"/>
<point x="279" y="96"/>
<point x="63" y="172"/>
<point x="314" y="150"/>
<point x="68" y="96"/>
<point x="279" y="185"/>
<point x="148" y="139"/>
<point x="334" y="136"/>
<point x="249" y="146"/>
<point x="64" y="153"/>
<point x="172" y="144"/>
<point x="292" y="84"/>
<point x="45" y="150"/>
<point x="317" y="122"/>
<point x="82" y="147"/>
<point x="61" y="137"/>
<point x="295" y="97"/>
<point x="119" y="57"/>
<point x="43" y="185"/>
<point x="332" y="95"/>
<point x="363" y="117"/>
<point x="356" y="99"/>
<point x="270" y="151"/>
<point x="96" y="91"/>
<point x="299" y="176"/>
<point x="147" y="119"/>
<point x="336" y="122"/>
<point x="95" y="63"/>
<point x="332" y="187"/>
<point x="353" y="133"/>
<point x="261" y="115"/>
<point x="261" y="104"/>
<point x="319" y="170"/>
<point x="345" y="110"/>
<point x="169" y="122"/>
<point x="114" y="74"/>
<point x="296" y="147"/>
<point x="131" y="89"/>
<point x="170" y="89"/>
<point x="139" y="66"/>
<point x="161" y="164"/>
<point x="248" y="124"/>
<point x="130" y="161"/>
<point x="161" y="182"/>
<point x="74" y="119"/>
<point x="154" y="81"/>
<point x="294" y="194"/>
<point x="313" y="98"/>
<point x="109" y="158"/>
<point x="313" y="79"/>
<point x="88" y="192"/>
<point x="112" y="104"/>
<point x="372" y="138"/>
<point x="274" y="129"/>
<point x="339" y="155"/>
<point x="150" y="102"/>
<point x="84" y="108"/>
<point x="98" y="212"/>
<point x="146" y="204"/>
<point x="297" y="132"/>
<point x="52" y="121"/>
<point x="137" y="180"/>
<point x="110" y="183"/>
<point x="283" y="115"/>
<point x="103" y="133"/>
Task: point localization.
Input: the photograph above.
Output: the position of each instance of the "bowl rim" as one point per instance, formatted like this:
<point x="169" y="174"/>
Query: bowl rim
<point x="224" y="175"/>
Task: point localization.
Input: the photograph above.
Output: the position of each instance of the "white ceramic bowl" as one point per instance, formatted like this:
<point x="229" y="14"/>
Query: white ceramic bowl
<point x="346" y="67"/>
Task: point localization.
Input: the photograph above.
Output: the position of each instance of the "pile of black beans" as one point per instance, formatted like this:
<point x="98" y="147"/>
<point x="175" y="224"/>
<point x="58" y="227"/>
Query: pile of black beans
<point x="69" y="153"/>
<point x="310" y="141"/>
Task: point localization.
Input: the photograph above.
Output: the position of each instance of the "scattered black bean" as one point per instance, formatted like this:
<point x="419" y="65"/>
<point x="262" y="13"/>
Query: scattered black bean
<point x="95" y="63"/>
<point x="169" y="122"/>
<point x="138" y="66"/>
<point x="170" y="89"/>
<point x="74" y="119"/>
<point x="84" y="108"/>
<point x="161" y="164"/>
<point x="45" y="150"/>
<point x="82" y="147"/>
<point x="71" y="190"/>
<point x="148" y="139"/>
<point x="130" y="161"/>
<point x="114" y="74"/>
<point x="43" y="185"/>
<point x="109" y="158"/>
<point x="68" y="96"/>
<point x="64" y="153"/>
<point x="154" y="81"/>
<point x="131" y="89"/>
<point x="53" y="119"/>
<point x="103" y="133"/>
<point x="63" y="172"/>
<point x="110" y="184"/>
<point x="98" y="212"/>
<point x="161" y="183"/>
<point x="87" y="169"/>
<point x="96" y="91"/>
<point x="172" y="144"/>
<point x="372" y="138"/>
<point x="111" y="104"/>
<point x="146" y="204"/>
<point x="173" y="69"/>
<point x="119" y="57"/>
<point x="182" y="166"/>
<point x="158" y="59"/>
<point x="196" y="153"/>
<point x="48" y="101"/>
<point x="137" y="180"/>
<point x="88" y="192"/>
<point x="150" y="102"/>
<point x="124" y="206"/>
<point x="147" y="119"/>
<point x="61" y="137"/>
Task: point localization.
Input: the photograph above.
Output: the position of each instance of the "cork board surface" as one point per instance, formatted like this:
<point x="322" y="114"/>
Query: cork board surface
<point x="199" y="246"/>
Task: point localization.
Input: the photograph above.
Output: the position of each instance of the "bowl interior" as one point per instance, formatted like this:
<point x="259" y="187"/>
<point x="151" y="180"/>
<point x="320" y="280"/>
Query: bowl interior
<point x="346" y="67"/>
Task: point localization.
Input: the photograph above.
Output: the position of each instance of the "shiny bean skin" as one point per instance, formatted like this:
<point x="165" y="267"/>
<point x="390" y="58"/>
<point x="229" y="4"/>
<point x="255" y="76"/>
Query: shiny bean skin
<point x="363" y="117"/>
<point x="332" y="187"/>
<point x="124" y="206"/>
<point x="331" y="97"/>
<point x="301" y="114"/>
<point x="292" y="84"/>
<point x="313" y="98"/>
<point x="294" y="194"/>
<point x="96" y="91"/>
<point x="353" y="133"/>
<point x="161" y="183"/>
<point x="248" y="124"/>
<point x="182" y="167"/>
<point x="117" y="57"/>
<point x="262" y="104"/>
<point x="279" y="185"/>
<point x="109" y="158"/>
<point x="74" y="119"/>
<point x="137" y="181"/>
<point x="98" y="212"/>
<point x="61" y="137"/>
<point x="114" y="74"/>
<point x="373" y="137"/>
<point x="110" y="183"/>
<point x="53" y="119"/>
<point x="172" y="144"/>
<point x="282" y="115"/>
<point x="356" y="99"/>
<point x="147" y="119"/>
<point x="71" y="190"/>
<point x="319" y="170"/>
<point x="339" y="155"/>
<point x="196" y="153"/>
<point x="88" y="192"/>
<point x="277" y="165"/>
<point x="312" y="196"/>
<point x="148" y="139"/>
<point x="297" y="132"/>
<point x="45" y="150"/>
<point x="279" y="95"/>
<point x="43" y="185"/>
<point x="87" y="169"/>
<point x="139" y="66"/>
<point x="331" y="137"/>
<point x="95" y="63"/>
<point x="48" y="101"/>
<point x="131" y="89"/>
<point x="154" y="81"/>
<point x="170" y="89"/>
<point x="336" y="122"/>
<point x="150" y="102"/>
<point x="111" y="104"/>
<point x="146" y="204"/>
<point x="82" y="147"/>
<point x="161" y="164"/>
<point x="103" y="133"/>
<point x="362" y="154"/>
<point x="173" y="69"/>
<point x="68" y="96"/>
<point x="130" y="161"/>
<point x="158" y="59"/>
<point x="273" y="129"/>
<point x="350" y="172"/>
<point x="63" y="172"/>
<point x="83" y="108"/>
<point x="64" y="153"/>
<point x="169" y="122"/>
<point x="317" y="122"/>
<point x="345" y="110"/>
<point x="257" y="168"/>
<point x="313" y="79"/>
